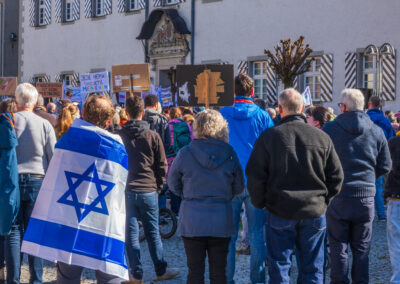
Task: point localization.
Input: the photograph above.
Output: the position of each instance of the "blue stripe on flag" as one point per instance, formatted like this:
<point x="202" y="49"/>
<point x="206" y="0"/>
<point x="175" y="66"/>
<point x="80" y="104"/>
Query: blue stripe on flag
<point x="93" y="144"/>
<point x="76" y="241"/>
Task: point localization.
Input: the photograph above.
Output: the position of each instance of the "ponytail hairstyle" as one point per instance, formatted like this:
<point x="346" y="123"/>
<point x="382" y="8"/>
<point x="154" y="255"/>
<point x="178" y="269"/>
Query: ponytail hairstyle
<point x="64" y="121"/>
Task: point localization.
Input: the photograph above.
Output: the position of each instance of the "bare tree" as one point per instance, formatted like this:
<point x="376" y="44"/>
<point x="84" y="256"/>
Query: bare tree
<point x="290" y="60"/>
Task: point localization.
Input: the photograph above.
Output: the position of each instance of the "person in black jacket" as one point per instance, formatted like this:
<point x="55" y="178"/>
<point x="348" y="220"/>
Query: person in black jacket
<point x="157" y="122"/>
<point x="294" y="172"/>
<point x="146" y="174"/>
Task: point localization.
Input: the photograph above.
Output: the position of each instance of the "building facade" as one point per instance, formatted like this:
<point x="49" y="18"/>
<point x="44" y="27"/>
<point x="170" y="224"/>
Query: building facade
<point x="65" y="38"/>
<point x="9" y="37"/>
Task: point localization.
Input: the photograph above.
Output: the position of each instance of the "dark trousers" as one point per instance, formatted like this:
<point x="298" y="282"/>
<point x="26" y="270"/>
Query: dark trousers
<point x="29" y="186"/>
<point x="196" y="249"/>
<point x="71" y="274"/>
<point x="350" y="222"/>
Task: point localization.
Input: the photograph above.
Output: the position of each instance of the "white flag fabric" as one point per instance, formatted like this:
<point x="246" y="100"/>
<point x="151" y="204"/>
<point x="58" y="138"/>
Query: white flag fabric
<point x="307" y="97"/>
<point x="79" y="215"/>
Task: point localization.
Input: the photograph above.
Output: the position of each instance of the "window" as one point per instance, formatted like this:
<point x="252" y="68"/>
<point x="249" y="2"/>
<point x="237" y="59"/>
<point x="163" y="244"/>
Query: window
<point x="133" y="5"/>
<point x="260" y="79"/>
<point x="68" y="79"/>
<point x="39" y="79"/>
<point x="312" y="79"/>
<point x="68" y="10"/>
<point x="42" y="8"/>
<point x="99" y="8"/>
<point x="369" y="71"/>
<point x="169" y="2"/>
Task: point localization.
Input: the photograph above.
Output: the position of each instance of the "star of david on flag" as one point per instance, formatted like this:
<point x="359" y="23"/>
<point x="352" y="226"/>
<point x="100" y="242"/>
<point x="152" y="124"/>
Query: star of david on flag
<point x="73" y="186"/>
<point x="79" y="215"/>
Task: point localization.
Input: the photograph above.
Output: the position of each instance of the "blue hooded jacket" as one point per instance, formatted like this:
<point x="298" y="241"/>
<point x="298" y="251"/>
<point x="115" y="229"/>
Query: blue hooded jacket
<point x="246" y="122"/>
<point x="9" y="190"/>
<point x="382" y="121"/>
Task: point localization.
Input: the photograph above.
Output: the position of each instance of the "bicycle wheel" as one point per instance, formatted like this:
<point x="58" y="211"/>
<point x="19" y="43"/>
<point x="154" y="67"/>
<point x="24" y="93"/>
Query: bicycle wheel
<point x="167" y="223"/>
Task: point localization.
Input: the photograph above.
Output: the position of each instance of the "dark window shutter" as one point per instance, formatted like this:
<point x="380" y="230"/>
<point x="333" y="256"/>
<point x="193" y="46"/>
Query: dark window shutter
<point x="63" y="6"/>
<point x="127" y="6"/>
<point x="94" y="8"/>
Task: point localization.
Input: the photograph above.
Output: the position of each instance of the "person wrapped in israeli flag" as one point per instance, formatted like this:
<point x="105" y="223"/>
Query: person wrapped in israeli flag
<point x="79" y="215"/>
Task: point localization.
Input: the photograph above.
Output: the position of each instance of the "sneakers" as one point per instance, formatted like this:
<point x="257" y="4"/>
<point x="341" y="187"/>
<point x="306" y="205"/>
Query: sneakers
<point x="133" y="280"/>
<point x="243" y="249"/>
<point x="169" y="274"/>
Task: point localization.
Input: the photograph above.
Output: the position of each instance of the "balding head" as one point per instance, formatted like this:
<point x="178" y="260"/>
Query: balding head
<point x="98" y="110"/>
<point x="290" y="102"/>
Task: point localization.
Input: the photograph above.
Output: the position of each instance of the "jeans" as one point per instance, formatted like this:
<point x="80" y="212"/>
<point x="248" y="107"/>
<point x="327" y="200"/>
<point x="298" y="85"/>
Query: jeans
<point x="307" y="236"/>
<point x="143" y="206"/>
<point x="350" y="222"/>
<point x="196" y="249"/>
<point x="379" y="200"/>
<point x="256" y="222"/>
<point x="29" y="186"/>
<point x="2" y="260"/>
<point x="71" y="274"/>
<point x="393" y="236"/>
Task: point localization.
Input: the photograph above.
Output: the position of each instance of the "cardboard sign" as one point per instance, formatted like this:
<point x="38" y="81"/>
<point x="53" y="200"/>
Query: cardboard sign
<point x="94" y="82"/>
<point x="8" y="86"/>
<point x="50" y="89"/>
<point x="131" y="77"/>
<point x="205" y="85"/>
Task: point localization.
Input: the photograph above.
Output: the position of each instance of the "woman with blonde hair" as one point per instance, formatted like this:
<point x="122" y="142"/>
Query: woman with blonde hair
<point x="207" y="174"/>
<point x="69" y="112"/>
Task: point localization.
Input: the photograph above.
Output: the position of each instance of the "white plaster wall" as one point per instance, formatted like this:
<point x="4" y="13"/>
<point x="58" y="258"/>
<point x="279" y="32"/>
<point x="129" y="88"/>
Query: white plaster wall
<point x="230" y="30"/>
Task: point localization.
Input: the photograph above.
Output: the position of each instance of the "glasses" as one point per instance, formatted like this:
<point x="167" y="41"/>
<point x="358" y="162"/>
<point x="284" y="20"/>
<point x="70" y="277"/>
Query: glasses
<point x="341" y="104"/>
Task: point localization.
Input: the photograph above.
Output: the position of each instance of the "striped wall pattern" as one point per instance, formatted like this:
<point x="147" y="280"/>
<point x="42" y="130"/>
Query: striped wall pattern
<point x="47" y="12"/>
<point x="32" y="13"/>
<point x="75" y="80"/>
<point x="88" y="11"/>
<point x="243" y="67"/>
<point x="58" y="11"/>
<point x="34" y="79"/>
<point x="389" y="77"/>
<point x="123" y="5"/>
<point x="57" y="78"/>
<point x="327" y="77"/>
<point x="272" y="86"/>
<point x="350" y="73"/>
<point x="107" y="7"/>
<point x="295" y="82"/>
<point x="76" y="9"/>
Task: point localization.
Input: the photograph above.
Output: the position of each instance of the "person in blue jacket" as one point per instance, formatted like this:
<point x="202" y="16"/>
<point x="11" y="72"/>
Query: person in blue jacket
<point x="377" y="116"/>
<point x="9" y="190"/>
<point x="246" y="123"/>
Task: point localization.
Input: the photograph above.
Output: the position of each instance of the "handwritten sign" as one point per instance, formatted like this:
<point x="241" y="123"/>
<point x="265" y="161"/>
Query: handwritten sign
<point x="94" y="82"/>
<point x="50" y="89"/>
<point x="8" y="86"/>
<point x="131" y="77"/>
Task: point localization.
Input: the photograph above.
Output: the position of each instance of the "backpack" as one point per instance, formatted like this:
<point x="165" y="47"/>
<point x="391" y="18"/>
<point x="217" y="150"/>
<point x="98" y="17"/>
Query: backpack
<point x="181" y="135"/>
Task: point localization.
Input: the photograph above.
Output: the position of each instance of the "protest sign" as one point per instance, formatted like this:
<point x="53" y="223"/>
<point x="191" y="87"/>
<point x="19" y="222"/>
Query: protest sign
<point x="8" y="86"/>
<point x="121" y="97"/>
<point x="307" y="97"/>
<point x="131" y="77"/>
<point x="94" y="82"/>
<point x="50" y="89"/>
<point x="205" y="85"/>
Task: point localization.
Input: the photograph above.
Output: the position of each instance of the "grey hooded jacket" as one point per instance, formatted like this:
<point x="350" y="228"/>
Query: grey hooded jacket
<point x="207" y="175"/>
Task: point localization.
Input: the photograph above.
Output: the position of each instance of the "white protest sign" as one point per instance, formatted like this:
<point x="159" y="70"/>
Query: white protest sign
<point x="94" y="82"/>
<point x="307" y="97"/>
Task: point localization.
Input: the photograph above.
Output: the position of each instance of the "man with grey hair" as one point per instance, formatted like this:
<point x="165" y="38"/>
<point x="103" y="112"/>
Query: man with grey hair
<point x="364" y="154"/>
<point x="294" y="172"/>
<point x="36" y="141"/>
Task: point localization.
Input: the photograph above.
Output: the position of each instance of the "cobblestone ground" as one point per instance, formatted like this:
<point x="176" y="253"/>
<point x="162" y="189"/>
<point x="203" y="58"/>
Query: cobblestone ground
<point x="175" y="255"/>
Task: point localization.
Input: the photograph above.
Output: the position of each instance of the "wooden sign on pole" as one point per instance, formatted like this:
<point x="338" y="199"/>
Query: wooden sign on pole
<point x="8" y="86"/>
<point x="131" y="78"/>
<point x="50" y="89"/>
<point x="205" y="85"/>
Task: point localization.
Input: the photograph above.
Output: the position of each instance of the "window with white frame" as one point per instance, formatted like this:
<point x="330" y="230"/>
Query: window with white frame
<point x="169" y="2"/>
<point x="369" y="71"/>
<point x="99" y="8"/>
<point x="68" y="10"/>
<point x="67" y="79"/>
<point x="133" y="5"/>
<point x="260" y="79"/>
<point x="41" y="11"/>
<point x="38" y="79"/>
<point x="312" y="78"/>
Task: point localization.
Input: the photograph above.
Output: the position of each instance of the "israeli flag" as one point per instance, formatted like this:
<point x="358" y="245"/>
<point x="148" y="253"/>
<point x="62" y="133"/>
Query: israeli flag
<point x="307" y="97"/>
<point x="79" y="215"/>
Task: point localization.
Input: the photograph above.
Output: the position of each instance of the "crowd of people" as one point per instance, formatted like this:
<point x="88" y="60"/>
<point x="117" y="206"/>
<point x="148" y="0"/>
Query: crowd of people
<point x="301" y="179"/>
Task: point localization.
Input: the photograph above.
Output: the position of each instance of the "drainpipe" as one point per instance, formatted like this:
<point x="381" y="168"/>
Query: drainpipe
<point x="146" y="45"/>
<point x="193" y="32"/>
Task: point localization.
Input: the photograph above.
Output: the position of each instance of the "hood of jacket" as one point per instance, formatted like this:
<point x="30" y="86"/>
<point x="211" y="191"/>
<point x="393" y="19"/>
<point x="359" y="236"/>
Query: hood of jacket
<point x="210" y="153"/>
<point x="151" y="116"/>
<point x="354" y="122"/>
<point x="7" y="131"/>
<point x="243" y="110"/>
<point x="376" y="115"/>
<point x="135" y="128"/>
